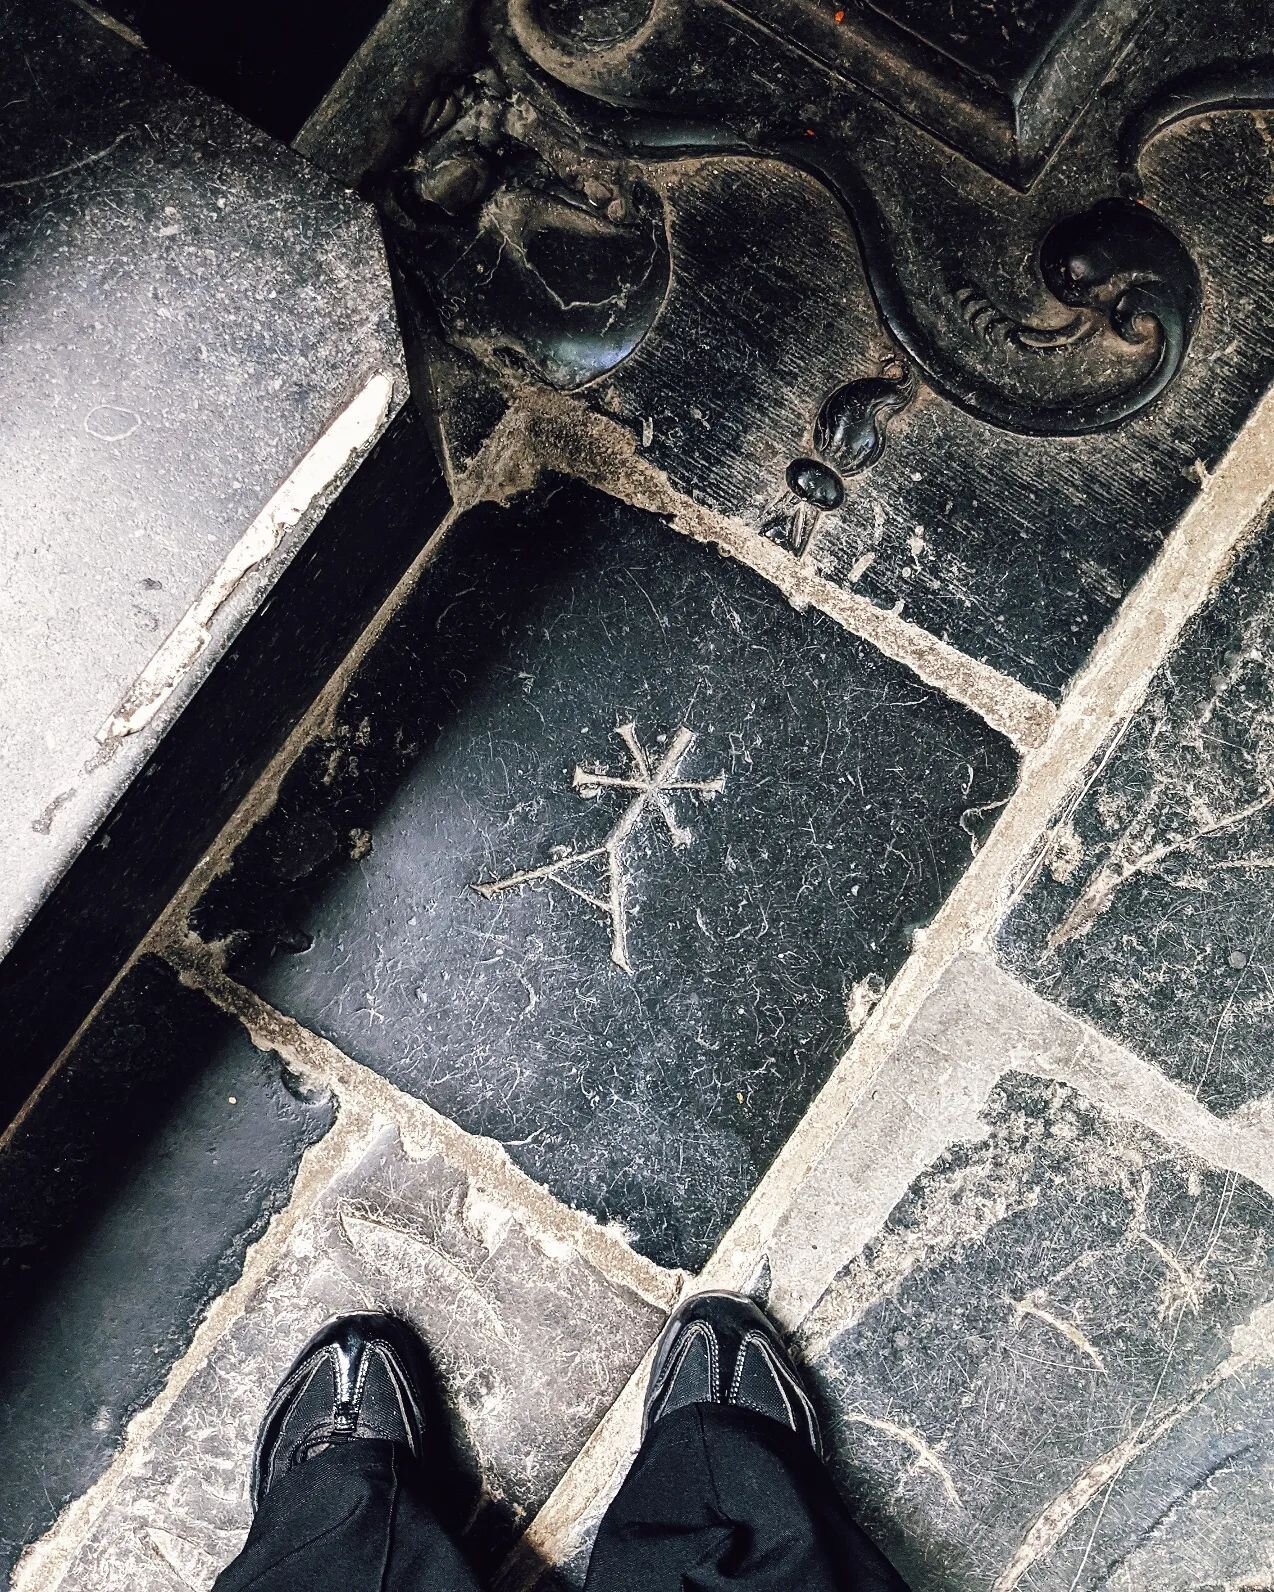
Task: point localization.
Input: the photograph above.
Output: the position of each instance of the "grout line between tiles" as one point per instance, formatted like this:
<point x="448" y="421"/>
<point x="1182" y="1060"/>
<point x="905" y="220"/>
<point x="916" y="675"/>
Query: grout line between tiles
<point x="1195" y="556"/>
<point x="483" y="1159"/>
<point x="549" y="431"/>
<point x="1117" y="1079"/>
<point x="251" y="809"/>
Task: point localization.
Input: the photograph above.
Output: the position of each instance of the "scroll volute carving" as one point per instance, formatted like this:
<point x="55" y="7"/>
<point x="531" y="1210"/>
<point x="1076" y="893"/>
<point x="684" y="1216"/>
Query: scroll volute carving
<point x="535" y="219"/>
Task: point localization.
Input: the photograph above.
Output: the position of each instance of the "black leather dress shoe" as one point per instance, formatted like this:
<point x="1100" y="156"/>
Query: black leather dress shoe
<point x="360" y="1377"/>
<point x="718" y="1348"/>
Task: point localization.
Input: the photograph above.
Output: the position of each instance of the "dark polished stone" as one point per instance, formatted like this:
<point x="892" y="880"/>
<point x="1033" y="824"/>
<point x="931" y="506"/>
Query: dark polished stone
<point x="1052" y="1368"/>
<point x="1002" y="80"/>
<point x="1016" y="549"/>
<point x="130" y="1192"/>
<point x="646" y="1062"/>
<point x="1153" y="909"/>
<point x="1042" y="374"/>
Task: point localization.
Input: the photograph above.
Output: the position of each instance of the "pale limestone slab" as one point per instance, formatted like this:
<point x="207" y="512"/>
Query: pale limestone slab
<point x="200" y="343"/>
<point x="1032" y="1281"/>
<point x="530" y="1342"/>
<point x="977" y="1024"/>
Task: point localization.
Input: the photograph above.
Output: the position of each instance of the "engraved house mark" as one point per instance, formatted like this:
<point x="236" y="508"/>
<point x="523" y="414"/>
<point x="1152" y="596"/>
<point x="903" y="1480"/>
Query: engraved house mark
<point x="652" y="794"/>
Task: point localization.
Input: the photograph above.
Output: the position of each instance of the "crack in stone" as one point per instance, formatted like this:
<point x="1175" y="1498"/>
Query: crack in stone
<point x="1068" y="1329"/>
<point x="190" y="1565"/>
<point x="71" y="165"/>
<point x="1182" y="1287"/>
<point x="651" y="789"/>
<point x="1251" y="1344"/>
<point x="1100" y="891"/>
<point x="386" y="1244"/>
<point x="1166" y="1516"/>
<point x="926" y="1458"/>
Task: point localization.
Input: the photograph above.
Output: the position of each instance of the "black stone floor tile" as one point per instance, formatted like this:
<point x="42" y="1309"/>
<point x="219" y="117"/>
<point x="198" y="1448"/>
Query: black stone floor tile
<point x="603" y="839"/>
<point x="1153" y="910"/>
<point x="1052" y="1368"/>
<point x="129" y="1193"/>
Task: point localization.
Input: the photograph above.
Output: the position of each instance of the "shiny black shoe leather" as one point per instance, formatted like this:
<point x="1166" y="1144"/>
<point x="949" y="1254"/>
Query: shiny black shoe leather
<point x="360" y="1377"/>
<point x="719" y="1348"/>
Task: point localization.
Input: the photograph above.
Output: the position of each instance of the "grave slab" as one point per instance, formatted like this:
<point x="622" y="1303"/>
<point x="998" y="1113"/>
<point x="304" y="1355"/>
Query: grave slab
<point x="607" y="849"/>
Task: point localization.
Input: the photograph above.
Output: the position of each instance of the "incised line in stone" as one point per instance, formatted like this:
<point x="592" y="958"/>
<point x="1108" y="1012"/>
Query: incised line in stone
<point x="1251" y="1344"/>
<point x="1119" y="868"/>
<point x="1032" y="1306"/>
<point x="926" y="1457"/>
<point x="652" y="794"/>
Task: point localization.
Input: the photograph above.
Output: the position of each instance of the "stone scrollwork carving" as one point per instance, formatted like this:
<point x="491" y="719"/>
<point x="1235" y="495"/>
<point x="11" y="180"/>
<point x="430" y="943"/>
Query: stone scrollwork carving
<point x="536" y="221"/>
<point x="1224" y="86"/>
<point x="848" y="438"/>
<point x="1117" y="262"/>
<point x="555" y="267"/>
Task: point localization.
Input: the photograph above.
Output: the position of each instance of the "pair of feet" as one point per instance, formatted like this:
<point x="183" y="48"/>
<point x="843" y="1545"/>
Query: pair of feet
<point x="364" y="1377"/>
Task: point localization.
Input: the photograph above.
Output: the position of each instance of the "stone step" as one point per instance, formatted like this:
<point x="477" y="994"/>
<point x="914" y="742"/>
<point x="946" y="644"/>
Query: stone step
<point x="201" y="346"/>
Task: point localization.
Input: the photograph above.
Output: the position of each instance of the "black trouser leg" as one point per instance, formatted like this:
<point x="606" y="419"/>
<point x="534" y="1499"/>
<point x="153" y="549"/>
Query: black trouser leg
<point x="721" y="1500"/>
<point x="351" y="1520"/>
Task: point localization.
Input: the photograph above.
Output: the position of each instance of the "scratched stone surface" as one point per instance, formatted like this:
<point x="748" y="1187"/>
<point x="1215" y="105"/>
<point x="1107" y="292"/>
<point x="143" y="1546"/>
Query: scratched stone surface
<point x="187" y="306"/>
<point x="528" y="1342"/>
<point x="129" y="1195"/>
<point x="606" y="841"/>
<point x="1054" y="1365"/>
<point x="1152" y="912"/>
